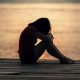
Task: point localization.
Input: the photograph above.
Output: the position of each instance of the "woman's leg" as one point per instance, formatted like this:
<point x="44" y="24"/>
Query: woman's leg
<point x="52" y="50"/>
<point x="39" y="49"/>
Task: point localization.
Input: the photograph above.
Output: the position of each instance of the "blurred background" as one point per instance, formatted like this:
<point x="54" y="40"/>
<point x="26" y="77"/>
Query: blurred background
<point x="64" y="16"/>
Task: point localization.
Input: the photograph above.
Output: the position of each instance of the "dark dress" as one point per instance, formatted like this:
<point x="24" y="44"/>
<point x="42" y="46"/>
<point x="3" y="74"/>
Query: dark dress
<point x="27" y="44"/>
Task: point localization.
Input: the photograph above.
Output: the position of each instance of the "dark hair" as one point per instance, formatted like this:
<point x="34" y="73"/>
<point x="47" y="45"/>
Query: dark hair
<point x="42" y="25"/>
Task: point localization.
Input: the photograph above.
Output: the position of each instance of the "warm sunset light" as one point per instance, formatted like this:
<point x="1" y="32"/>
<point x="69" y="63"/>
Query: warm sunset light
<point x="65" y="22"/>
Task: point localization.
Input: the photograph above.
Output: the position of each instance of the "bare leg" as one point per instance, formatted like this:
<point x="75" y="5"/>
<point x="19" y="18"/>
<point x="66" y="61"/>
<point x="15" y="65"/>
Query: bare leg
<point x="39" y="49"/>
<point x="52" y="50"/>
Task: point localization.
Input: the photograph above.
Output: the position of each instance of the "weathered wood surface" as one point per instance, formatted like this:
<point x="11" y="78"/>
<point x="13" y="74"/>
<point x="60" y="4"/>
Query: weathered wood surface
<point x="11" y="69"/>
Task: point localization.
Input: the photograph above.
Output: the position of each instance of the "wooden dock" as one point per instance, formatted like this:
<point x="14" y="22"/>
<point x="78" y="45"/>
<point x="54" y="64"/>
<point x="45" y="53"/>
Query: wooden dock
<point x="11" y="69"/>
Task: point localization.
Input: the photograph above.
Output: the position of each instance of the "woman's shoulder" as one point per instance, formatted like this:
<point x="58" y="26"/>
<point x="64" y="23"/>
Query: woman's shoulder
<point x="30" y="29"/>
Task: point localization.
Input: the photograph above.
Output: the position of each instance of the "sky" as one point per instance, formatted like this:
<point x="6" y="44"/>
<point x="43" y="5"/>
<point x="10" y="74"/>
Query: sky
<point x="39" y="1"/>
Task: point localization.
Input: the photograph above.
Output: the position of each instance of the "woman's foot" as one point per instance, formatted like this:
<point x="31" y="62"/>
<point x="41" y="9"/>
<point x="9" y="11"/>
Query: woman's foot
<point x="67" y="61"/>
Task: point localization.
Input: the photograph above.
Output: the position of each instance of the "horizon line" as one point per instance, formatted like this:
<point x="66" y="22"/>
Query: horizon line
<point x="40" y="1"/>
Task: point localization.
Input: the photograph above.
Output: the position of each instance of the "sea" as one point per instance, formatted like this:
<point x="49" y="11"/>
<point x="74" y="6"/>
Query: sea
<point x="65" y="25"/>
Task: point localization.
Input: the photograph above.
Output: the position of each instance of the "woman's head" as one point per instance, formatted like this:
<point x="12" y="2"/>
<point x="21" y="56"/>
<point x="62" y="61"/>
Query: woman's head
<point x="42" y="25"/>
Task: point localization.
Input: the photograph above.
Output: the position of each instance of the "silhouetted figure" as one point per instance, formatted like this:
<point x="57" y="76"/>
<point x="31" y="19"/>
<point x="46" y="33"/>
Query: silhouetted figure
<point x="29" y="53"/>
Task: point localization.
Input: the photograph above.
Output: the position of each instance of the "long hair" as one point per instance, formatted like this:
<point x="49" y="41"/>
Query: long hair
<point x="42" y="25"/>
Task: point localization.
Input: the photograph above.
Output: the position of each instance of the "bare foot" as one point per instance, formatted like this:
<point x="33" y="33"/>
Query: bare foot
<point x="67" y="61"/>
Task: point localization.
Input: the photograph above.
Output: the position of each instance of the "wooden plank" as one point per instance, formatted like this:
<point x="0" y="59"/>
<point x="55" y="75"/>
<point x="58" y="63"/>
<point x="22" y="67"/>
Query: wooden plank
<point x="39" y="65"/>
<point x="39" y="61"/>
<point x="21" y="77"/>
<point x="44" y="71"/>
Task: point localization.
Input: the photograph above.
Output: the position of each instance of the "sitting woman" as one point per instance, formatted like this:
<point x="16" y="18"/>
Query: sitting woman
<point x="29" y="53"/>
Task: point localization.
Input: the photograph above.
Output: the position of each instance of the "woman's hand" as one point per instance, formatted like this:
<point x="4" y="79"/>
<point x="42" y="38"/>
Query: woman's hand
<point x="50" y="36"/>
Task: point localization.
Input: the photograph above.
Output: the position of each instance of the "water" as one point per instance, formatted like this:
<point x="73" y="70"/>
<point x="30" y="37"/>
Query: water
<point x="65" y="22"/>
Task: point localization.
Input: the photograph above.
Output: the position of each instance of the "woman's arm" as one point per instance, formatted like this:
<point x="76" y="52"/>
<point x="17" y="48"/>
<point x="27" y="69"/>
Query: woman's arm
<point x="44" y="37"/>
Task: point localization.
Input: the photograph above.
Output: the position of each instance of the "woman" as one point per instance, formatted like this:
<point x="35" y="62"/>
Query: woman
<point x="29" y="53"/>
